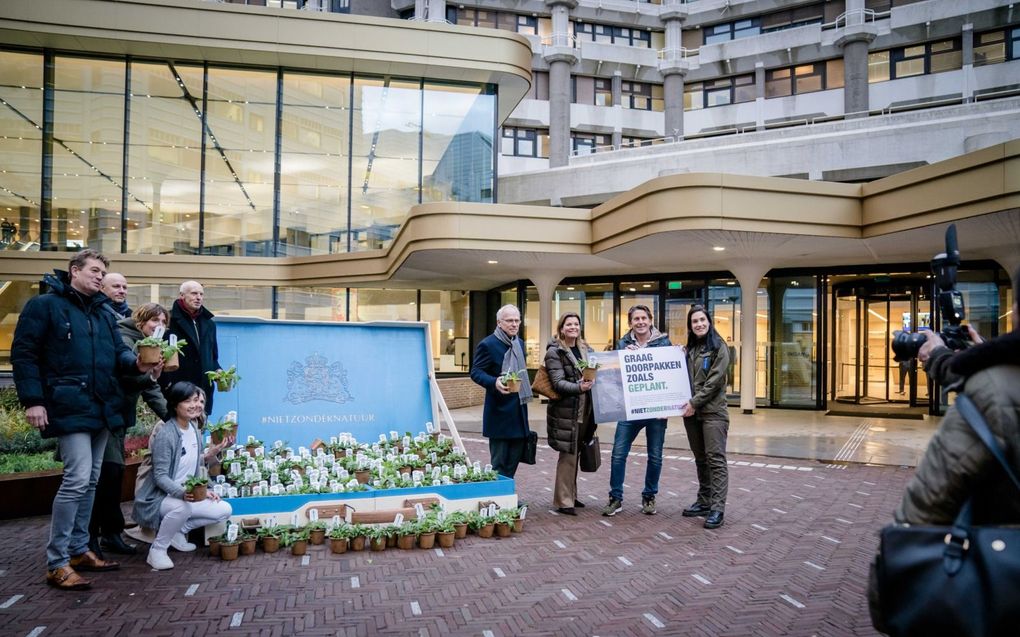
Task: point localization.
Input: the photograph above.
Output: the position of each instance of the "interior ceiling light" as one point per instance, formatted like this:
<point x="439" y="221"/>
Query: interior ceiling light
<point x="718" y="248"/>
<point x="492" y="262"/>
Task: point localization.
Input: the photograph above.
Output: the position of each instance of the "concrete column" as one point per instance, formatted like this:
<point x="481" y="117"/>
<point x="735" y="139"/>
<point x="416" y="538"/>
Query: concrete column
<point x="437" y="10"/>
<point x="749" y="275"/>
<point x="559" y="109"/>
<point x="967" y="46"/>
<point x="673" y="98"/>
<point x="561" y="56"/>
<point x="673" y="67"/>
<point x="421" y="8"/>
<point x="545" y="283"/>
<point x="759" y="95"/>
<point x="855" y="77"/>
<point x="617" y="92"/>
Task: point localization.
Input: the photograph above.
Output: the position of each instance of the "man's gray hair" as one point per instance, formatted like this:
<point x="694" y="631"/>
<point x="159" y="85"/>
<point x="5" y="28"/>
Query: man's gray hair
<point x="502" y="312"/>
<point x="187" y="284"/>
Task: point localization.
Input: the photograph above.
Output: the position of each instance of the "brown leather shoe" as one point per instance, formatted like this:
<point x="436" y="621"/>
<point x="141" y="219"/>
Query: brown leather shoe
<point x="89" y="561"/>
<point x="65" y="579"/>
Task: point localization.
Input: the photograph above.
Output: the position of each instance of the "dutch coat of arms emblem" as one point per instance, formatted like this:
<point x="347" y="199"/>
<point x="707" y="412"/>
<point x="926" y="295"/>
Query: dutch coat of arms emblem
<point x="317" y="379"/>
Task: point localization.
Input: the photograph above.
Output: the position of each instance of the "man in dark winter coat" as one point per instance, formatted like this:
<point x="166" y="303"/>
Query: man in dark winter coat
<point x="115" y="287"/>
<point x="505" y="416"/>
<point x="67" y="355"/>
<point x="192" y="322"/>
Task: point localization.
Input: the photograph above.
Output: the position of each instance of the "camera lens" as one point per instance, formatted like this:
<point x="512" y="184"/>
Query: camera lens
<point x="906" y="345"/>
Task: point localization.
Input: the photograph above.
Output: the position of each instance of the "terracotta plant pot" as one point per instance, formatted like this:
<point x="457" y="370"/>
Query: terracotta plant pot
<point x="405" y="542"/>
<point x="248" y="546"/>
<point x="362" y="476"/>
<point x="358" y="543"/>
<point x="460" y="530"/>
<point x="214" y="548"/>
<point x="149" y="354"/>
<point x="513" y="385"/>
<point x="317" y="536"/>
<point x="299" y="547"/>
<point x="486" y="531"/>
<point x="502" y="529"/>
<point x="228" y="552"/>
<point x="426" y="540"/>
<point x="215" y="469"/>
<point x="200" y="493"/>
<point x="172" y="364"/>
<point x="270" y="544"/>
<point x="518" y="526"/>
<point x="405" y="471"/>
<point x="338" y="546"/>
<point x="391" y="541"/>
<point x="588" y="373"/>
<point x="251" y="451"/>
<point x="446" y="539"/>
<point x="378" y="544"/>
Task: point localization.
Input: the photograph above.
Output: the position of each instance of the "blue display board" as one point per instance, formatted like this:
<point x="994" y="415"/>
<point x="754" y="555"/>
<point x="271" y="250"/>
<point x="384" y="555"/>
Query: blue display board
<point x="304" y="380"/>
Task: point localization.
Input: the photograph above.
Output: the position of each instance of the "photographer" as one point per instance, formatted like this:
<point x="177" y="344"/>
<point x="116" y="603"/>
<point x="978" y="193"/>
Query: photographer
<point x="956" y="465"/>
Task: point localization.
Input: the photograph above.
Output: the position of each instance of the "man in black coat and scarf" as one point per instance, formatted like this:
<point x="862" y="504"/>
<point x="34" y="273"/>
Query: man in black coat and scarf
<point x="192" y="322"/>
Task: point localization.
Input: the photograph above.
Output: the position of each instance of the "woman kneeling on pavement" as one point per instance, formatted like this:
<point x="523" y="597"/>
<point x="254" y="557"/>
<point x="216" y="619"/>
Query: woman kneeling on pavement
<point x="570" y="419"/>
<point x="160" y="499"/>
<point x="706" y="418"/>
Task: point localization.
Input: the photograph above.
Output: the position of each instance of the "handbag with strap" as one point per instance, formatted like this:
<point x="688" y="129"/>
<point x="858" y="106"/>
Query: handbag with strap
<point x="590" y="455"/>
<point x="961" y="580"/>
<point x="543" y="384"/>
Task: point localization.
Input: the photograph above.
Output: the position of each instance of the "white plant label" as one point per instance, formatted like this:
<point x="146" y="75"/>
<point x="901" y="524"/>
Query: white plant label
<point x="294" y="519"/>
<point x="524" y="512"/>
<point x="232" y="533"/>
<point x="259" y="452"/>
<point x="230" y="454"/>
<point x="419" y="510"/>
<point x="159" y="331"/>
<point x="313" y="515"/>
<point x="235" y="468"/>
<point x="233" y="492"/>
<point x="398" y="519"/>
<point x="348" y="515"/>
<point x="335" y="522"/>
<point x="492" y="510"/>
<point x="429" y="427"/>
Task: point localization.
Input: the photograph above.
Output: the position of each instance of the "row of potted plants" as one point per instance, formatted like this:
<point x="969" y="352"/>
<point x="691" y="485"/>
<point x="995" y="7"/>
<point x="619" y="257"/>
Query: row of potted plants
<point x="341" y="465"/>
<point x="431" y="530"/>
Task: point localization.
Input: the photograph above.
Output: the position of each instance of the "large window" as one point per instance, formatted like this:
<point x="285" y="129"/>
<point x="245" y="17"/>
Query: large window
<point x="794" y="340"/>
<point x="588" y="143"/>
<point x="315" y="151"/>
<point x="992" y="47"/>
<point x="88" y="139"/>
<point x="642" y="96"/>
<point x="519" y="23"/>
<point x="21" y="82"/>
<point x="919" y="59"/>
<point x="777" y="21"/>
<point x="804" y="78"/>
<point x="719" y="92"/>
<point x="609" y="34"/>
<point x="207" y="147"/>
<point x="524" y="142"/>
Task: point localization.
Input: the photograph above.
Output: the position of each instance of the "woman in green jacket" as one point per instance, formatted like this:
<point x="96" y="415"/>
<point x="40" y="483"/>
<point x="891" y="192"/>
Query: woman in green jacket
<point x="706" y="418"/>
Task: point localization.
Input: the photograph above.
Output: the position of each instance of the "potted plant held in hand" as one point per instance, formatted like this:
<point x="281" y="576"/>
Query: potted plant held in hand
<point x="171" y="351"/>
<point x="588" y="369"/>
<point x="198" y="487"/>
<point x="225" y="379"/>
<point x="150" y="350"/>
<point x="512" y="380"/>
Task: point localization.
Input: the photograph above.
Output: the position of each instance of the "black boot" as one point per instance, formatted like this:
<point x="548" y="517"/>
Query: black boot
<point x="114" y="543"/>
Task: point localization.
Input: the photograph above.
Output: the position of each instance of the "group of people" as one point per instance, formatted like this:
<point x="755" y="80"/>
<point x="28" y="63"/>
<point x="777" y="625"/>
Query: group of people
<point x="77" y="373"/>
<point x="570" y="417"/>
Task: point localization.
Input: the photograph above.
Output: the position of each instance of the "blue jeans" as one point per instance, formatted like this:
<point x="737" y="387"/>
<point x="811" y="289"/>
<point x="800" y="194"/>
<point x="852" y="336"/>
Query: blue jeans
<point x="82" y="454"/>
<point x="626" y="432"/>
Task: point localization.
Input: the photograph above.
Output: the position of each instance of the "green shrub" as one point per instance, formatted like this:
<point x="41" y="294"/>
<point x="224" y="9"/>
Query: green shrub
<point x="23" y="463"/>
<point x="17" y="436"/>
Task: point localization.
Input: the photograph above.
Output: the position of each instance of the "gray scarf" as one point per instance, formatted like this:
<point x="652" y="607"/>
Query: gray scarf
<point x="514" y="361"/>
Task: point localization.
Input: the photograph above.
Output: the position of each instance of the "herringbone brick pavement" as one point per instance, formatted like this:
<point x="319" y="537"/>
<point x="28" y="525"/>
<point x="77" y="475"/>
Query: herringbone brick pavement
<point x="791" y="559"/>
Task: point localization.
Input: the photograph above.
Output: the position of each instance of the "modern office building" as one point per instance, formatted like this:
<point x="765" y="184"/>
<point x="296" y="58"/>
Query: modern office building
<point x="791" y="164"/>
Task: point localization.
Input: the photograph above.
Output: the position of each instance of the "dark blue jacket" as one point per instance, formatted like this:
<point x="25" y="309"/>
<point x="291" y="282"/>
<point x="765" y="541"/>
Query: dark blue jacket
<point x="199" y="356"/>
<point x="67" y="356"/>
<point x="504" y="415"/>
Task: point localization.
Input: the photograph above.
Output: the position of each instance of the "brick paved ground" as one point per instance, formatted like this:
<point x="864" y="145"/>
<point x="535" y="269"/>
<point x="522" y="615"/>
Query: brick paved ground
<point x="791" y="560"/>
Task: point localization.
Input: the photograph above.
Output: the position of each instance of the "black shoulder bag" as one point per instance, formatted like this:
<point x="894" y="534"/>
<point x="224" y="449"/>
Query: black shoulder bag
<point x="960" y="580"/>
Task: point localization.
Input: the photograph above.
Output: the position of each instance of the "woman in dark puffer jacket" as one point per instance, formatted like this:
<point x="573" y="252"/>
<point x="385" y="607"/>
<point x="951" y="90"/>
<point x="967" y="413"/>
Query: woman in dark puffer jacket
<point x="569" y="419"/>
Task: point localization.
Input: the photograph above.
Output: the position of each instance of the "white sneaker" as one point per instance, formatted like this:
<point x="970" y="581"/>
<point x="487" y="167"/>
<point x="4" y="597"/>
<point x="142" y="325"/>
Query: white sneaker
<point x="159" y="560"/>
<point x="181" y="543"/>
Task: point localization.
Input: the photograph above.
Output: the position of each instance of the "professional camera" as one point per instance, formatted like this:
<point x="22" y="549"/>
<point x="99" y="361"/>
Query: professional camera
<point x="943" y="266"/>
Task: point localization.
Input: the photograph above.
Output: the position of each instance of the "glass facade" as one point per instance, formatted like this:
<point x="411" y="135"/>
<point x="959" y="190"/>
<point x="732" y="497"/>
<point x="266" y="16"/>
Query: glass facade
<point x="161" y="157"/>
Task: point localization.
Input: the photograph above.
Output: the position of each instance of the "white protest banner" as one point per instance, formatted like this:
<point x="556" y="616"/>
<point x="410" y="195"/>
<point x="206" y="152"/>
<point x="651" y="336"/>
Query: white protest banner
<point x="641" y="384"/>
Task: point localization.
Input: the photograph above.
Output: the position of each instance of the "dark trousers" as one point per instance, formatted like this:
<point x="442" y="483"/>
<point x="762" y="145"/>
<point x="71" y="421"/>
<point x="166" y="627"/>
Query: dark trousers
<point x="707" y="436"/>
<point x="505" y="454"/>
<point x="107" y="517"/>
